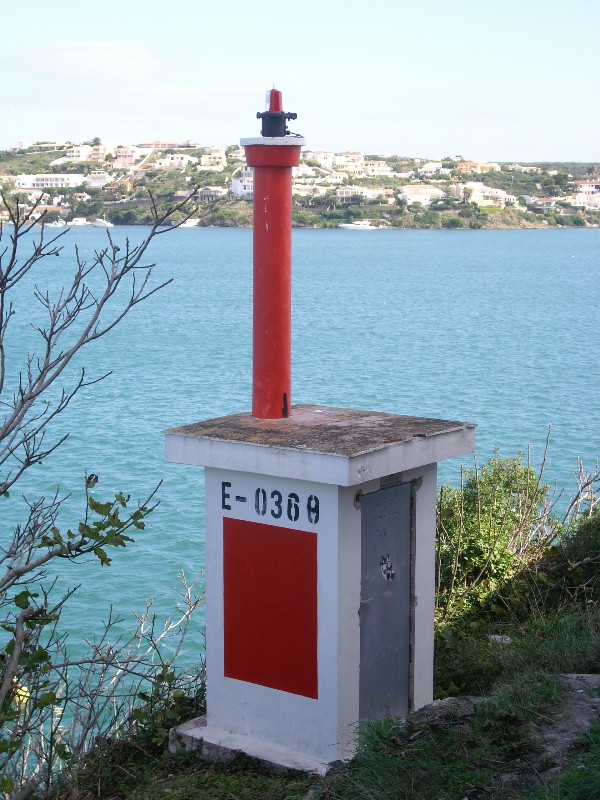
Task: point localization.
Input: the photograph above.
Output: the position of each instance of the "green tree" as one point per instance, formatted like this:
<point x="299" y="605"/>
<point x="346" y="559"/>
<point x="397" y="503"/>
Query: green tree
<point x="52" y="216"/>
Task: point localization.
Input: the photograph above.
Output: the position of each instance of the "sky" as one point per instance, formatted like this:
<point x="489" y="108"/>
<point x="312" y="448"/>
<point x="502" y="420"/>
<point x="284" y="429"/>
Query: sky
<point x="498" y="80"/>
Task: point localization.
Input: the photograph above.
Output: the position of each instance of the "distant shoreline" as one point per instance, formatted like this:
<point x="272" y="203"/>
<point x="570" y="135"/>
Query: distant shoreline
<point x="337" y="228"/>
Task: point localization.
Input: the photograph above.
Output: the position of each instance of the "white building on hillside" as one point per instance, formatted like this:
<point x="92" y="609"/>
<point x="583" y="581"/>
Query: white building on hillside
<point x="127" y="154"/>
<point x="81" y="197"/>
<point x="324" y="158"/>
<point x="378" y="169"/>
<point x="348" y="194"/>
<point x="209" y="194"/>
<point x="587" y="194"/>
<point x="303" y="172"/>
<point x="521" y="168"/>
<point x="433" y="168"/>
<point x="430" y="168"/>
<point x="308" y="189"/>
<point x="100" y="151"/>
<point x="420" y="193"/>
<point x="352" y="162"/>
<point x="242" y="182"/>
<point x="214" y="158"/>
<point x="175" y="161"/>
<point x="482" y="195"/>
<point x="334" y="178"/>
<point x="36" y="197"/>
<point x="540" y="204"/>
<point x="587" y="187"/>
<point x="49" y="181"/>
<point x="79" y="152"/>
<point x="98" y="179"/>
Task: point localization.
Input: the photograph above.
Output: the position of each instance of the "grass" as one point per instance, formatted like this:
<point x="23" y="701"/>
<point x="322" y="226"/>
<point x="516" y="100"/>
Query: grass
<point x="564" y="641"/>
<point x="454" y="758"/>
<point x="451" y="760"/>
<point x="462" y="757"/>
<point x="124" y="771"/>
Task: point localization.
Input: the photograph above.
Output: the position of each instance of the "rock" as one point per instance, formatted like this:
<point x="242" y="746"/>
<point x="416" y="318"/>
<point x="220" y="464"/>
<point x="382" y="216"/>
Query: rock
<point x="448" y="708"/>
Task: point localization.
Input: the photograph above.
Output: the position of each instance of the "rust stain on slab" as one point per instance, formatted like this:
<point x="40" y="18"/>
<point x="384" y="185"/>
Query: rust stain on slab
<point x="321" y="429"/>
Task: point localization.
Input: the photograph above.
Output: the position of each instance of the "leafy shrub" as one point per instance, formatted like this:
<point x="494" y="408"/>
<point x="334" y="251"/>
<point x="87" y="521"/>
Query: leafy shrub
<point x="503" y="553"/>
<point x="486" y="529"/>
<point x="573" y="220"/>
<point x="453" y="222"/>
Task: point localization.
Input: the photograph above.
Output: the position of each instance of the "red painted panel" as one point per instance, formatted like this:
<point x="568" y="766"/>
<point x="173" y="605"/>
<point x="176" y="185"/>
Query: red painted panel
<point x="270" y="606"/>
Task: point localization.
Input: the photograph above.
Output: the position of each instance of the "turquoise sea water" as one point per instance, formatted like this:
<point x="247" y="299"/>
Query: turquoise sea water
<point x="499" y="328"/>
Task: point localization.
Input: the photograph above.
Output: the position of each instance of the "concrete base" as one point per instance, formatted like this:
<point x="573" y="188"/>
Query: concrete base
<point x="218" y="745"/>
<point x="289" y="682"/>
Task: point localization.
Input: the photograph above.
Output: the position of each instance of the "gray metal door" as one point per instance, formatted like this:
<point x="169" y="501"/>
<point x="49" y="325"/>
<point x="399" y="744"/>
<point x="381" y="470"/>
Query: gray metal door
<point x="385" y="603"/>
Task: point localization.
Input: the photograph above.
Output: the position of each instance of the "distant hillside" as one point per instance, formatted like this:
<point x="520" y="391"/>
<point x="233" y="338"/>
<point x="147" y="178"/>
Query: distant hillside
<point x="27" y="163"/>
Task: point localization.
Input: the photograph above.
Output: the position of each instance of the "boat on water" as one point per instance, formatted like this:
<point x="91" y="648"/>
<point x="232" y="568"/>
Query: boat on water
<point x="362" y="225"/>
<point x="78" y="221"/>
<point x="189" y="223"/>
<point x="102" y="223"/>
<point x="59" y="223"/>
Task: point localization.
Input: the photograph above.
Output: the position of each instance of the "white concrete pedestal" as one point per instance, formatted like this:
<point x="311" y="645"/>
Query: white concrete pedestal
<point x="320" y="564"/>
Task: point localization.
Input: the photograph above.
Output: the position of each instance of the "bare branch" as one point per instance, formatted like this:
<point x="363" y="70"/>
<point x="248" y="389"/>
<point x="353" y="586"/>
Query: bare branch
<point x="12" y="667"/>
<point x="77" y="303"/>
<point x="98" y="692"/>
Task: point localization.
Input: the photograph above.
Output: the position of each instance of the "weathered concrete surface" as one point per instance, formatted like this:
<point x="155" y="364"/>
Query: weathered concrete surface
<point x="321" y="429"/>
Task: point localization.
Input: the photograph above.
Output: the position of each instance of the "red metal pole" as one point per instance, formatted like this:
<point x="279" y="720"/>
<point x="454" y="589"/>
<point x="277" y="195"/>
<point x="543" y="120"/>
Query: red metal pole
<point x="272" y="159"/>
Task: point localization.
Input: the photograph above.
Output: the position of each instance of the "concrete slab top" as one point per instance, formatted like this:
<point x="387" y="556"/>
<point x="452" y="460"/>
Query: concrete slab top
<point x="320" y="429"/>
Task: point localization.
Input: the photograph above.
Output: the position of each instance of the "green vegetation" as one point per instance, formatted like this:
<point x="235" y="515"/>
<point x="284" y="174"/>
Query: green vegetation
<point x="518" y="602"/>
<point x="130" y="771"/>
<point x="228" y="213"/>
<point x="487" y="528"/>
<point x="165" y="182"/>
<point x="580" y="170"/>
<point x="27" y="162"/>
<point x="527" y="183"/>
<point x="517" y="183"/>
<point x="454" y="759"/>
